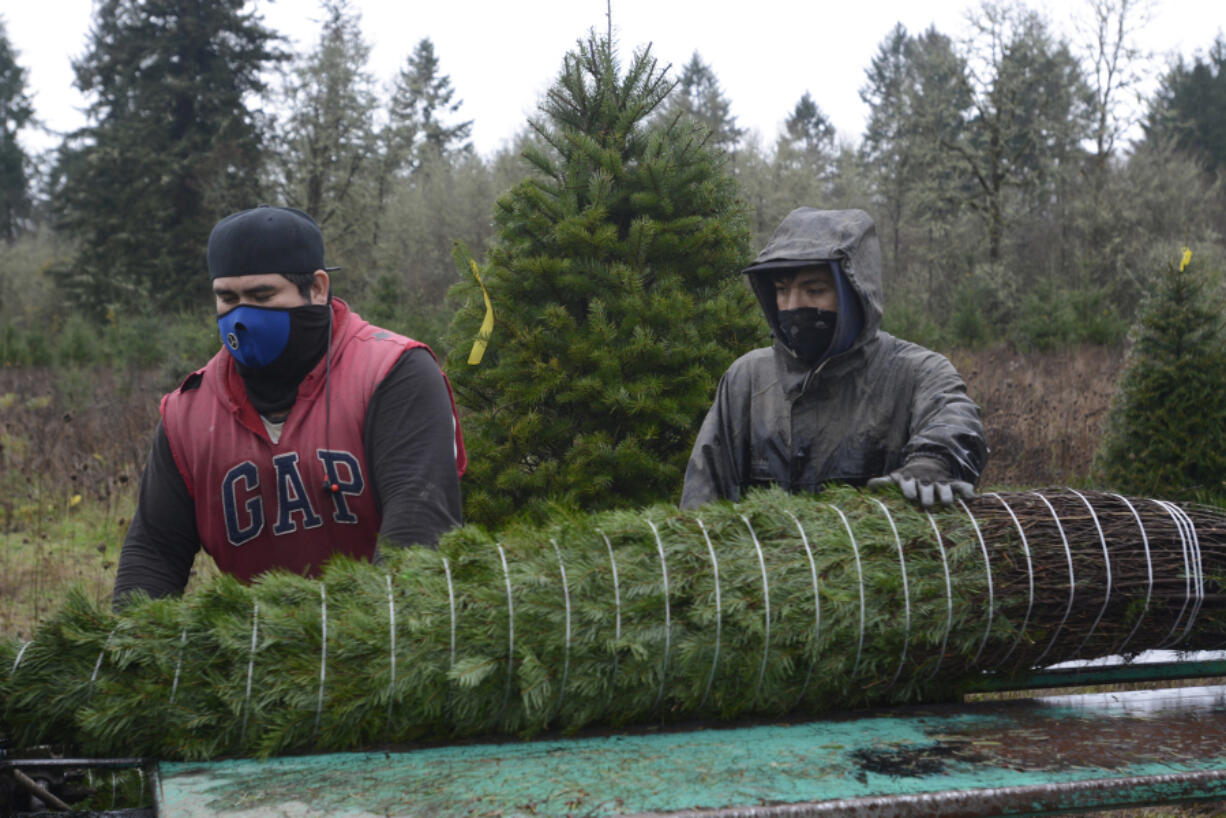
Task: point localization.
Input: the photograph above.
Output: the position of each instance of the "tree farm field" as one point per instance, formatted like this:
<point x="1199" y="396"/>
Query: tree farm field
<point x="73" y="443"/>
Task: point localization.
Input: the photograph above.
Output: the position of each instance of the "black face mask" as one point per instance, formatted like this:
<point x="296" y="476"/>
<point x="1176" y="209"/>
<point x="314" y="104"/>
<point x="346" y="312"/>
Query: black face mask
<point x="808" y="331"/>
<point x="273" y="387"/>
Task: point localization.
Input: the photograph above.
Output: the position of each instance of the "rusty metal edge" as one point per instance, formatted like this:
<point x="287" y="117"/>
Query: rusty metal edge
<point x="34" y="763"/>
<point x="1097" y="793"/>
<point x="1100" y="675"/>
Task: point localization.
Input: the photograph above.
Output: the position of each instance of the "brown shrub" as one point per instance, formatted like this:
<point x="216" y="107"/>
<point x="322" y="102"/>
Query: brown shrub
<point x="1043" y="413"/>
<point x="70" y="432"/>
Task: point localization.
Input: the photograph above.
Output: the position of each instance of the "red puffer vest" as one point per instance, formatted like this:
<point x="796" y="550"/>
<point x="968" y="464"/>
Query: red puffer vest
<point x="263" y="505"/>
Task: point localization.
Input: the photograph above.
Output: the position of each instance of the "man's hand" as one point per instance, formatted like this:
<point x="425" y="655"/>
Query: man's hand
<point x="925" y="480"/>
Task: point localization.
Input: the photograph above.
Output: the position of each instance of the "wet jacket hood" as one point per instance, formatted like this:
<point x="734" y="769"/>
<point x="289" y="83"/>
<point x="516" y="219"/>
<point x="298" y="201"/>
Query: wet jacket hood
<point x="846" y="240"/>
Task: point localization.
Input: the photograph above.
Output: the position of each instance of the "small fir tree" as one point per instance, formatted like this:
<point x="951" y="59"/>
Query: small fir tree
<point x="613" y="278"/>
<point x="1167" y="430"/>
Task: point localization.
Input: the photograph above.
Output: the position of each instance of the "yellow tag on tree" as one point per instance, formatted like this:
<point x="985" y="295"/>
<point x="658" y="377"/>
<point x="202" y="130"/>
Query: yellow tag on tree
<point x="1183" y="263"/>
<point x="487" y="326"/>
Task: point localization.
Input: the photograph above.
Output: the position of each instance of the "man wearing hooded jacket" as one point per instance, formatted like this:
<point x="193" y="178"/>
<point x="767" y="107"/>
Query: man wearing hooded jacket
<point x="834" y="399"/>
<point x="310" y="433"/>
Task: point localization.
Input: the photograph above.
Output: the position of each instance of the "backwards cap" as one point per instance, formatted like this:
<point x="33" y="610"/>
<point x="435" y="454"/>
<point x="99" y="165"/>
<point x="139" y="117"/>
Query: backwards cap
<point x="265" y="240"/>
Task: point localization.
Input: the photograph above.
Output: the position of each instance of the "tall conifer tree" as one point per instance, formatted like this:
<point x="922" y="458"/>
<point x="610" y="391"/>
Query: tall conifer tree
<point x="613" y="278"/>
<point x="172" y="147"/>
<point x="16" y="111"/>
<point x="700" y="97"/>
<point x="327" y="155"/>
<point x="1190" y="107"/>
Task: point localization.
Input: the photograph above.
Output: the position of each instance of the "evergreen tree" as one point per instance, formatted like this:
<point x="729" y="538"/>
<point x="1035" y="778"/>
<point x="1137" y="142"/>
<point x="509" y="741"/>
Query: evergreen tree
<point x="1031" y="110"/>
<point x="1190" y="107"/>
<point x="1167" y="429"/>
<point x="172" y="147"/>
<point x="807" y="130"/>
<point x="326" y="152"/>
<point x="422" y="96"/>
<point x="613" y="279"/>
<point x="16" y="112"/>
<point x="805" y="153"/>
<point x="699" y="97"/>
<point x="415" y="138"/>
<point x="919" y="98"/>
<point x="800" y="170"/>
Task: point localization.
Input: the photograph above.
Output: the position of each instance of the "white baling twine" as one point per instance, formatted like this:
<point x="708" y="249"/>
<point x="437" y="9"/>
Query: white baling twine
<point x="506" y="573"/>
<point x="1199" y="568"/>
<point x="1030" y="576"/>
<point x="1072" y="579"/>
<point x="1195" y="580"/>
<point x="766" y="601"/>
<point x="987" y="565"/>
<point x="323" y="653"/>
<point x="1187" y="571"/>
<point x="860" y="573"/>
<point x="1106" y="561"/>
<point x="817" y="609"/>
<point x="178" y="665"/>
<point x="255" y="630"/>
<point x="1200" y="565"/>
<point x="98" y="664"/>
<point x="617" y="605"/>
<point x="668" y="616"/>
<point x="451" y="611"/>
<point x="391" y="650"/>
<point x="17" y="661"/>
<point x="906" y="593"/>
<point x="949" y="596"/>
<point x="1149" y="569"/>
<point x="719" y="612"/>
<point x="566" y="655"/>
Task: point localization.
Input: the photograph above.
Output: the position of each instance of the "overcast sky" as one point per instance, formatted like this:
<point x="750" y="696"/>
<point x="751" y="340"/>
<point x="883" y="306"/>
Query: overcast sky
<point x="501" y="56"/>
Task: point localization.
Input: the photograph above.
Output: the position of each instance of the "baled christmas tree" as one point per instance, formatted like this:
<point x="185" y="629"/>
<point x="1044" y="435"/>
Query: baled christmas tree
<point x="782" y="604"/>
<point x="613" y="281"/>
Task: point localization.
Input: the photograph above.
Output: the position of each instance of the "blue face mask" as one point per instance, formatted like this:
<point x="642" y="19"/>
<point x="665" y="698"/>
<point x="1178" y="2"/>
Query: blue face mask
<point x="255" y="336"/>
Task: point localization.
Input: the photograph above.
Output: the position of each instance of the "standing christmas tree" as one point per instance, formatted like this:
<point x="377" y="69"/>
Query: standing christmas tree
<point x="1167" y="430"/>
<point x="613" y="282"/>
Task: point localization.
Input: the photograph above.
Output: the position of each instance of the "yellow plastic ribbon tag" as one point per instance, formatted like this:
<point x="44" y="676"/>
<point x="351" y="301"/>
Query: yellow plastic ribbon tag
<point x="1187" y="258"/>
<point x="487" y="326"/>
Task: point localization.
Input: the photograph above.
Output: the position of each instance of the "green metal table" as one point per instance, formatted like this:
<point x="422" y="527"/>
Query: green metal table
<point x="1050" y="754"/>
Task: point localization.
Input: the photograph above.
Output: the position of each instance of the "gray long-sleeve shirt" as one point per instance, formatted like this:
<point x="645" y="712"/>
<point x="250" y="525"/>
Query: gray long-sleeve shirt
<point x="413" y="470"/>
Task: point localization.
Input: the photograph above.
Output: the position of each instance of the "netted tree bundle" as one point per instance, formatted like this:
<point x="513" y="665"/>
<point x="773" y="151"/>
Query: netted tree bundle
<point x="779" y="605"/>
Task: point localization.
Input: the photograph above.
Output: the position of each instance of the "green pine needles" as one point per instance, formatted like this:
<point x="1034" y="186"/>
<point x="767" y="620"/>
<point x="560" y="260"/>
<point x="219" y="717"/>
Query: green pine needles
<point x="613" y="279"/>
<point x="779" y="605"/>
<point x="1167" y="429"/>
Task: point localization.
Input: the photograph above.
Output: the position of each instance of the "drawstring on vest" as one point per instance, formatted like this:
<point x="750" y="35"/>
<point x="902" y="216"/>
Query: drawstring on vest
<point x="329" y="486"/>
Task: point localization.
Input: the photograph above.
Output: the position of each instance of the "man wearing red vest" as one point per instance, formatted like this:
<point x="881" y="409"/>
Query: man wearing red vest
<point x="310" y="433"/>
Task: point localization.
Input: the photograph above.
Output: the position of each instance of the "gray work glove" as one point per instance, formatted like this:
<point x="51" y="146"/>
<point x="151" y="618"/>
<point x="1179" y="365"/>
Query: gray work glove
<point x="926" y="480"/>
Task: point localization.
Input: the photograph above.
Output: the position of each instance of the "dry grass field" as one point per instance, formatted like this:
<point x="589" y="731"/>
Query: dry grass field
<point x="1043" y="414"/>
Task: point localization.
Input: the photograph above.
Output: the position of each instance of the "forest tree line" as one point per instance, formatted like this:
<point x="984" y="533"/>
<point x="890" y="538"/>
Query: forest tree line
<point x="1011" y="199"/>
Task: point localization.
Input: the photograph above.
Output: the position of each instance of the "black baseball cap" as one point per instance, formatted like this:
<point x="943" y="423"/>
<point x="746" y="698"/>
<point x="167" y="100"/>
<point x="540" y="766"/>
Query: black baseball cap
<point x="266" y="239"/>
